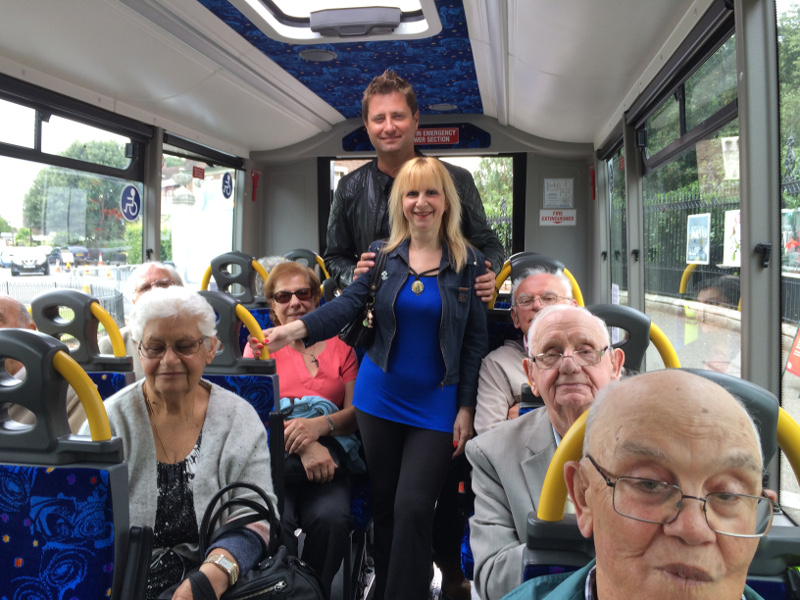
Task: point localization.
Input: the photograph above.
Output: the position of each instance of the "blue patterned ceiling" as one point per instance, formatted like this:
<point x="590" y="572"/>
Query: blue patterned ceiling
<point x="441" y="68"/>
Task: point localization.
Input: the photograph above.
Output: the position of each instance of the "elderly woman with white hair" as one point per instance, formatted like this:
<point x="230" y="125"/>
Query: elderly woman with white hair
<point x="184" y="440"/>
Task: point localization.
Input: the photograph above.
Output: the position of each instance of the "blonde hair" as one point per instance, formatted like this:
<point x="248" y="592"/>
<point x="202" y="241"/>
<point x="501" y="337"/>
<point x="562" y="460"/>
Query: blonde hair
<point x="424" y="172"/>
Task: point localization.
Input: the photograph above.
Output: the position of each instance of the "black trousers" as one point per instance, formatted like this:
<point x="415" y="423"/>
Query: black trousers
<point x="322" y="510"/>
<point x="407" y="467"/>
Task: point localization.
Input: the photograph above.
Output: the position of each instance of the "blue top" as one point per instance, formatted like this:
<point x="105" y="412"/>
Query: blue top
<point x="407" y="393"/>
<point x="462" y="328"/>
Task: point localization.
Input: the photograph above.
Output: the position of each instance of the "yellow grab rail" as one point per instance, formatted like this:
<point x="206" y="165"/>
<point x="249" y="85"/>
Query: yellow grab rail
<point x="789" y="440"/>
<point x="554" y="490"/>
<point x="664" y="347"/>
<point x="114" y="334"/>
<point x="253" y="327"/>
<point x="87" y="394"/>
<point x="505" y="273"/>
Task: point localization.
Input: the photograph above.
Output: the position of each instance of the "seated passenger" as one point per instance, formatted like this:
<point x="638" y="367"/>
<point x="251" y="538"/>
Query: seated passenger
<point x="326" y="369"/>
<point x="184" y="440"/>
<point x="670" y="487"/>
<point x="142" y="279"/>
<point x="571" y="358"/>
<point x="13" y="314"/>
<point x="502" y="375"/>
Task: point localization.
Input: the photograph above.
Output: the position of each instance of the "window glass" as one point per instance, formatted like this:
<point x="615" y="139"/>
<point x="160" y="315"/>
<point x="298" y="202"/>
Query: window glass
<point x="691" y="259"/>
<point x="663" y="127"/>
<point x="18" y="124"/>
<point x="197" y="201"/>
<point x="74" y="220"/>
<point x="618" y="214"/>
<point x="83" y="142"/>
<point x="789" y="90"/>
<point x="712" y="86"/>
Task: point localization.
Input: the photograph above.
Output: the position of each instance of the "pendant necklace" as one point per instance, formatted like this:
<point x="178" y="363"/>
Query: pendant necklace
<point x="417" y="286"/>
<point x="152" y="414"/>
<point x="312" y="355"/>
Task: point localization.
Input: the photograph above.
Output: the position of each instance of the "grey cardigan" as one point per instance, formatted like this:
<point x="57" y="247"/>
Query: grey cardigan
<point x="234" y="448"/>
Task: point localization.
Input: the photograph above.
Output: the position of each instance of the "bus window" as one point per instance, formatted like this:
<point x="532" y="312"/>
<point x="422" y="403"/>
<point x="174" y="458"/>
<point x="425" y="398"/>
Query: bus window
<point x="618" y="217"/>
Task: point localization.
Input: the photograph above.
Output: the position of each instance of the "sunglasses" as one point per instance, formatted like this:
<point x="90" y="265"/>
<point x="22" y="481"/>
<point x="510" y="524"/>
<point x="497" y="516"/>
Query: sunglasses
<point x="283" y="297"/>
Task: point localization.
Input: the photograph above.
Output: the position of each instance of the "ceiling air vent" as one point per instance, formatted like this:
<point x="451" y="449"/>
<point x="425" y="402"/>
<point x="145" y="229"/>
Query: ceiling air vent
<point x="350" y="22"/>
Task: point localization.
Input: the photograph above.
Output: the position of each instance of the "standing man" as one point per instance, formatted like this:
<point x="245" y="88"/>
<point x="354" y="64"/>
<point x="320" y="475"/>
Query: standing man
<point x="359" y="212"/>
<point x="502" y="374"/>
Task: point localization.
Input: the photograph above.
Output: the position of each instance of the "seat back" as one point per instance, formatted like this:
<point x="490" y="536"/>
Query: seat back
<point x="236" y="268"/>
<point x="518" y="263"/>
<point x="549" y="528"/>
<point x="109" y="373"/>
<point x="63" y="498"/>
<point x="310" y="259"/>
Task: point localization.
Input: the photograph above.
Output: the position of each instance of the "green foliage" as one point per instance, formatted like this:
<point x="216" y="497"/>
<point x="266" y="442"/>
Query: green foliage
<point x="23" y="237"/>
<point x="789" y="82"/>
<point x="5" y="226"/>
<point x="494" y="179"/>
<point x="79" y="207"/>
<point x="133" y="241"/>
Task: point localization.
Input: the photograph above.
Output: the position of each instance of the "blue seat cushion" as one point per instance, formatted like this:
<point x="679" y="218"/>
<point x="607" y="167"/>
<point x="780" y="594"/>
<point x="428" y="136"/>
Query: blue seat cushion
<point x="56" y="533"/>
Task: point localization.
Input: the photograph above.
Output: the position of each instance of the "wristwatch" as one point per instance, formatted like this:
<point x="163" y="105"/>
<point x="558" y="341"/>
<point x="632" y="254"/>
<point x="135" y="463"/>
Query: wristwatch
<point x="227" y="565"/>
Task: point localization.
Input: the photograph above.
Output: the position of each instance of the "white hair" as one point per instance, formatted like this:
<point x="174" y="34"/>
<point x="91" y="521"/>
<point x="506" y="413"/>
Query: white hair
<point x="137" y="276"/>
<point x="172" y="302"/>
<point x="540" y="316"/>
<point x="558" y="274"/>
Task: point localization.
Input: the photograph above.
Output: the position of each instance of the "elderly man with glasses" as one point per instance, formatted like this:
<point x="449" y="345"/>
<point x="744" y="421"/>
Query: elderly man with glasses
<point x="570" y="360"/>
<point x="143" y="278"/>
<point x="501" y="374"/>
<point x="670" y="486"/>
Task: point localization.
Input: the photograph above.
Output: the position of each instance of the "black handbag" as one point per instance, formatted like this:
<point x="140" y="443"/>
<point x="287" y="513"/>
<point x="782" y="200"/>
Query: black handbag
<point x="360" y="332"/>
<point x="277" y="577"/>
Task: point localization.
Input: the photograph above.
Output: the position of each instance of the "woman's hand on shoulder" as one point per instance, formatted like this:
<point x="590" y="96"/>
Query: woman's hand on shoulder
<point x="463" y="429"/>
<point x="365" y="264"/>
<point x="484" y="284"/>
<point x="318" y="463"/>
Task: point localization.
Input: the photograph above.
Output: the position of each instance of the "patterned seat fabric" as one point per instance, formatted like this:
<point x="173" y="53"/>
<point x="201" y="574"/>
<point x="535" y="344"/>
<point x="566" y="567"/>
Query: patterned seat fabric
<point x="56" y="533"/>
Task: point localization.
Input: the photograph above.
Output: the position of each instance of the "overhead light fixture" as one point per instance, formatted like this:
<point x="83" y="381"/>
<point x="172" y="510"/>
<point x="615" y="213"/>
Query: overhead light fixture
<point x="318" y="55"/>
<point x="442" y="106"/>
<point x="312" y="22"/>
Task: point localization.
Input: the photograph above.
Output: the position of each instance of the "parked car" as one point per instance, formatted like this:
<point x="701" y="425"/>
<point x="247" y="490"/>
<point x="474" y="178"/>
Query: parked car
<point x="5" y="257"/>
<point x="29" y="259"/>
<point x="70" y="255"/>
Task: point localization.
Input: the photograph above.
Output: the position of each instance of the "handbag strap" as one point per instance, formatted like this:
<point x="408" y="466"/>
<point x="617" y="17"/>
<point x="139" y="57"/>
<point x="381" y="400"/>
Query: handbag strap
<point x="264" y="512"/>
<point x="375" y="279"/>
<point x="201" y="586"/>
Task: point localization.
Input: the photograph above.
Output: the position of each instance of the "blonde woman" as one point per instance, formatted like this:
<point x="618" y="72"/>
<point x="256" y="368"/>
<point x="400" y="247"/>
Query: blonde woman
<point x="416" y="388"/>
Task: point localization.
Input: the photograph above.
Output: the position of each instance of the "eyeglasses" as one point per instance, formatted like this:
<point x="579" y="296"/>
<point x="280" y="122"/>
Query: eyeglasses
<point x="658" y="502"/>
<point x="159" y="283"/>
<point x="183" y="348"/>
<point x="583" y="358"/>
<point x="283" y="297"/>
<point x="545" y="300"/>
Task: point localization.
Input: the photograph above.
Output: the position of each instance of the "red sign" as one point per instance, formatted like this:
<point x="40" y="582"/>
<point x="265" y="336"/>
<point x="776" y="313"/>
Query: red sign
<point x="793" y="362"/>
<point x="198" y="172"/>
<point x="438" y="135"/>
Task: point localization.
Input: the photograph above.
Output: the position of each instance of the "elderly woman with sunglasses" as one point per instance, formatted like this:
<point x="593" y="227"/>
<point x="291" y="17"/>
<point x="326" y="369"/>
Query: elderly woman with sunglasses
<point x="184" y="440"/>
<point x="328" y="369"/>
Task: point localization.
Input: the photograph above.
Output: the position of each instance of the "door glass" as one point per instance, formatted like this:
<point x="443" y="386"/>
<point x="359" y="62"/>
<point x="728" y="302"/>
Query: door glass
<point x="619" y="241"/>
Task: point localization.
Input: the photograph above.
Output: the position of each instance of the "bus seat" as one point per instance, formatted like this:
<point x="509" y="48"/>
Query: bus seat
<point x="49" y="312"/>
<point x="640" y="333"/>
<point x="63" y="498"/>
<point x="310" y="259"/>
<point x="553" y="537"/>
<point x="236" y="268"/>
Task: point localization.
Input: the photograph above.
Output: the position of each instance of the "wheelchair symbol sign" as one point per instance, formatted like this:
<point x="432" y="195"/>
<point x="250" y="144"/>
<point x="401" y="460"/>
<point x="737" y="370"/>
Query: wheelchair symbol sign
<point x="227" y="185"/>
<point x="130" y="203"/>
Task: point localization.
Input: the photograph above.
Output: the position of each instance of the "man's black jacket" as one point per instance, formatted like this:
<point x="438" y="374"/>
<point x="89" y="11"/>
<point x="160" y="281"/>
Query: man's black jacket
<point x="358" y="217"/>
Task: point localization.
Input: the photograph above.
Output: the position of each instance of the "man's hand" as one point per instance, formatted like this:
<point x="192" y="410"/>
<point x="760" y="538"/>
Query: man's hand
<point x="365" y="264"/>
<point x="484" y="284"/>
<point x="299" y="433"/>
<point x="318" y="463"/>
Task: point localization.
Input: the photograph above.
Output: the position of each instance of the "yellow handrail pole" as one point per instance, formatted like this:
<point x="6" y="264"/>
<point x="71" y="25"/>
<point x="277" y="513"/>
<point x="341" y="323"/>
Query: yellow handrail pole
<point x="206" y="279"/>
<point x="253" y="327"/>
<point x="504" y="274"/>
<point x="554" y="490"/>
<point x="259" y="268"/>
<point x="664" y="347"/>
<point x="789" y="440"/>
<point x="687" y="275"/>
<point x="114" y="334"/>
<point x="576" y="290"/>
<point x="87" y="394"/>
